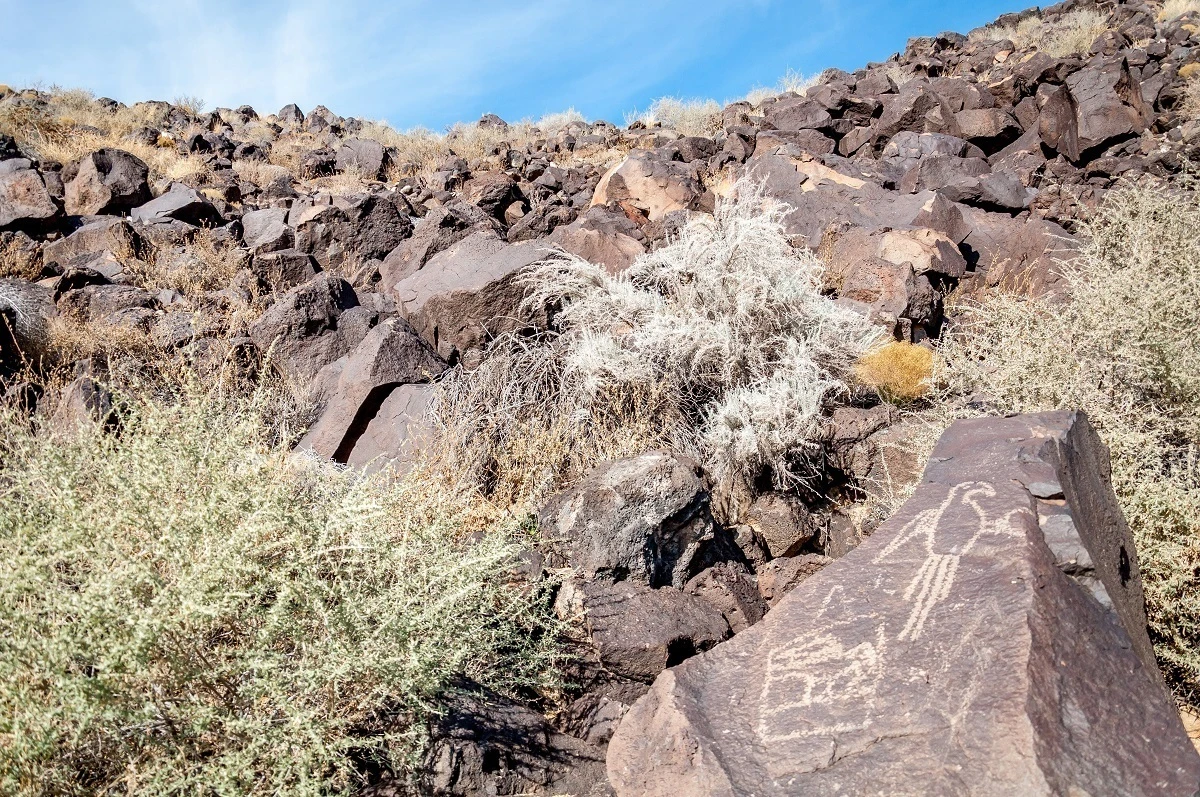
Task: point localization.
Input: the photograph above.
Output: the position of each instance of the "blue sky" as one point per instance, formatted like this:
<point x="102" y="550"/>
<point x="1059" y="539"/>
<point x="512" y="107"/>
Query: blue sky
<point x="433" y="63"/>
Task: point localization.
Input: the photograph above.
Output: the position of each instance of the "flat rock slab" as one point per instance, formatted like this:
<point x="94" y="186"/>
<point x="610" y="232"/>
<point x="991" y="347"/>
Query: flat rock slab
<point x="951" y="653"/>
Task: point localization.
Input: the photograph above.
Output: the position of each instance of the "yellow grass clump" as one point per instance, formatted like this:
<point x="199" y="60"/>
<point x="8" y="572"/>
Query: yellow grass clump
<point x="899" y="371"/>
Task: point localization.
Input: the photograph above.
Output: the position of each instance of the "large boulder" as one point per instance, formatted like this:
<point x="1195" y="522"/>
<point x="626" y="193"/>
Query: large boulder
<point x="375" y="226"/>
<point x="439" y="230"/>
<point x="284" y="269"/>
<point x="916" y="108"/>
<point x="491" y="192"/>
<point x="267" y="230"/>
<point x="638" y="631"/>
<point x="107" y="181"/>
<point x="355" y="387"/>
<point x="990" y="129"/>
<point x="399" y="432"/>
<point x="485" y="743"/>
<point x="311" y="326"/>
<point x="1021" y="255"/>
<point x="469" y="293"/>
<point x="178" y="203"/>
<point x="24" y="201"/>
<point x="827" y="201"/>
<point x="97" y="301"/>
<point x="25" y="312"/>
<point x="652" y="185"/>
<point x="351" y="230"/>
<point x="110" y="234"/>
<point x="643" y="518"/>
<point x="1108" y="104"/>
<point x="602" y="237"/>
<point x="797" y="113"/>
<point x="989" y="638"/>
<point x="367" y="156"/>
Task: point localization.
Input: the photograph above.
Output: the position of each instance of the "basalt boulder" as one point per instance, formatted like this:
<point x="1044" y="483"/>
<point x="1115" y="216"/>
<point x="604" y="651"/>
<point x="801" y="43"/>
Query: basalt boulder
<point x="989" y="638"/>
<point x="644" y="519"/>
<point x="107" y="181"/>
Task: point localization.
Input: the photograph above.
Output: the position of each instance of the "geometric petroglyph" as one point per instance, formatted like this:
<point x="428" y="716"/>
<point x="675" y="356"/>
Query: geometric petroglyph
<point x="815" y="678"/>
<point x="935" y="578"/>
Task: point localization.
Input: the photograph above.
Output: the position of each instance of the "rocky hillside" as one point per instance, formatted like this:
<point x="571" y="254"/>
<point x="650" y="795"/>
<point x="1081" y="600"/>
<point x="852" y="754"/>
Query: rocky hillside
<point x="425" y="296"/>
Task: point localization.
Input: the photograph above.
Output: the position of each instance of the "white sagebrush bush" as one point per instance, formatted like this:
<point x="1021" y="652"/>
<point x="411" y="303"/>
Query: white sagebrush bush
<point x="1124" y="349"/>
<point x="719" y="344"/>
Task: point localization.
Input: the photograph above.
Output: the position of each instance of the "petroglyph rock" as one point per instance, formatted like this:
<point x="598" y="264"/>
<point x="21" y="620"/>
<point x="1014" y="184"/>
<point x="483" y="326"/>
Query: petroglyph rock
<point x="988" y="639"/>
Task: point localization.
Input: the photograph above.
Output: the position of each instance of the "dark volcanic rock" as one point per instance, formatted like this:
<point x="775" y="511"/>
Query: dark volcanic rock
<point x="24" y="200"/>
<point x="179" y="203"/>
<point x="641" y="518"/>
<point x="485" y="743"/>
<point x="990" y="638"/>
<point x="356" y="386"/>
<point x="638" y="631"/>
<point x="311" y="326"/>
<point x="469" y="293"/>
<point x="1108" y="104"/>
<point x="439" y="230"/>
<point x="107" y="181"/>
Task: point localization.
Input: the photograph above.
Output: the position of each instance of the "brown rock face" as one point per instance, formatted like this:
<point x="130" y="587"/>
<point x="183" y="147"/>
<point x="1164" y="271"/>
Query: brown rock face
<point x="1108" y="104"/>
<point x="107" y="181"/>
<point x="988" y="639"/>
<point x="357" y="385"/>
<point x="468" y="293"/>
<point x="24" y="200"/>
<point x="654" y="186"/>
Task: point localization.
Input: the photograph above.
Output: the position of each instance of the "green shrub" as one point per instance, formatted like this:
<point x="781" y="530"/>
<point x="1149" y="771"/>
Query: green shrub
<point x="187" y="608"/>
<point x="1125" y="350"/>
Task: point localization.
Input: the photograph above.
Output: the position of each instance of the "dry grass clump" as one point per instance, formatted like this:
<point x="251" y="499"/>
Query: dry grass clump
<point x="19" y="258"/>
<point x="187" y="608"/>
<point x="1125" y="351"/>
<point x="72" y="339"/>
<point x="552" y="123"/>
<point x="792" y="81"/>
<point x="350" y="180"/>
<point x="164" y="162"/>
<point x="287" y="150"/>
<point x="1071" y="34"/>
<point x="420" y="151"/>
<point x="189" y="104"/>
<point x="899" y="371"/>
<point x="260" y="173"/>
<point x="1174" y="9"/>
<point x="719" y="344"/>
<point x="1024" y="33"/>
<point x="695" y="117"/>
<point x="64" y="125"/>
<point x="1191" y="94"/>
<point x="205" y="264"/>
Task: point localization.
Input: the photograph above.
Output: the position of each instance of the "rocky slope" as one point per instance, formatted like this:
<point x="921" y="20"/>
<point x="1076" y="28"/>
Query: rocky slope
<point x="361" y="265"/>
